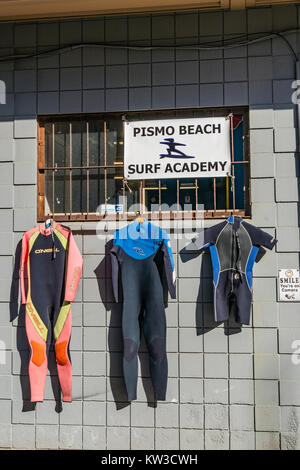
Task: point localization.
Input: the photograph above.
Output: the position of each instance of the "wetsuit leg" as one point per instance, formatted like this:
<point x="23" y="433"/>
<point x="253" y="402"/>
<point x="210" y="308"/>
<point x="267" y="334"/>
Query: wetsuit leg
<point x="243" y="296"/>
<point x="131" y="341"/>
<point x="221" y="296"/>
<point x="154" y="327"/>
<point x="62" y="334"/>
<point x="155" y="334"/>
<point x="132" y="279"/>
<point x="37" y="335"/>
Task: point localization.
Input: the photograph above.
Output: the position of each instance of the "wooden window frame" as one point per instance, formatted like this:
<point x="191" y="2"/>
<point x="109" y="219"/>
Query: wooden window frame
<point x="194" y="214"/>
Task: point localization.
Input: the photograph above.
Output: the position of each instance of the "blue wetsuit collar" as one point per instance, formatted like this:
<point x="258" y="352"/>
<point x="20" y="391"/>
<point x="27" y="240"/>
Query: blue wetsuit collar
<point x="232" y="218"/>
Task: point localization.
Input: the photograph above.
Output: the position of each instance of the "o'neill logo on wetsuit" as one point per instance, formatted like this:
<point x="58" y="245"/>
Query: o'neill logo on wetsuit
<point x="47" y="250"/>
<point x="139" y="250"/>
<point x="34" y="318"/>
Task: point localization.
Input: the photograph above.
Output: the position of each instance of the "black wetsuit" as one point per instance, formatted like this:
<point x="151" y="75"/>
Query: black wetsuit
<point x="233" y="245"/>
<point x="141" y="265"/>
<point x="51" y="264"/>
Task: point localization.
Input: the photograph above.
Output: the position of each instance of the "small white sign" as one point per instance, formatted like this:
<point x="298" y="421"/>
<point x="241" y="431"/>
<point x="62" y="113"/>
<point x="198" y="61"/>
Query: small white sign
<point x="110" y="208"/>
<point x="289" y="285"/>
<point x="177" y="148"/>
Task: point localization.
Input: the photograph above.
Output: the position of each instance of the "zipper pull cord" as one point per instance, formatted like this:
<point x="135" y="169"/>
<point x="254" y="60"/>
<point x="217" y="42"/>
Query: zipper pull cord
<point x="238" y="261"/>
<point x="53" y="240"/>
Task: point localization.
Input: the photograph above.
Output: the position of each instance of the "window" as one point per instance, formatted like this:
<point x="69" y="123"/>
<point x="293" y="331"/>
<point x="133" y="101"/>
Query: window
<point x="80" y="170"/>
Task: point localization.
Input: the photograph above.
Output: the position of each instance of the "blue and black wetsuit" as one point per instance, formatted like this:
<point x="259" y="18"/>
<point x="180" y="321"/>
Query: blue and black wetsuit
<point x="234" y="245"/>
<point x="141" y="258"/>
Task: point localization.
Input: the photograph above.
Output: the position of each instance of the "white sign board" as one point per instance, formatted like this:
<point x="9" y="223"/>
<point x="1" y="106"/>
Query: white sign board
<point x="177" y="148"/>
<point x="289" y="285"/>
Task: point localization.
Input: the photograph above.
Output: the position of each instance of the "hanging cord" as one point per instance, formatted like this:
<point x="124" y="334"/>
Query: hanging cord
<point x="127" y="185"/>
<point x="213" y="45"/>
<point x="287" y="42"/>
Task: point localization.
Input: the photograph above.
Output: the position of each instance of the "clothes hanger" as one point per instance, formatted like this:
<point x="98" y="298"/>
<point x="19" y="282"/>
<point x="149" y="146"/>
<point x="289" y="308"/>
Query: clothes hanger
<point x="49" y="222"/>
<point x="139" y="218"/>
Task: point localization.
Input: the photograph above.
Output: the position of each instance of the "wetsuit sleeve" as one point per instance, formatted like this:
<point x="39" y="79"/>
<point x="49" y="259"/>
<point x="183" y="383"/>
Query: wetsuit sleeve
<point x="23" y="261"/>
<point x="115" y="271"/>
<point x="259" y="237"/>
<point x="169" y="265"/>
<point x="73" y="269"/>
<point x="207" y="237"/>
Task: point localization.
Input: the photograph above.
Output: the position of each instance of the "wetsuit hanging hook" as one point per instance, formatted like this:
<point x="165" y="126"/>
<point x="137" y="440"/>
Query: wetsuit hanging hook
<point x="140" y="220"/>
<point x="139" y="217"/>
<point x="127" y="185"/>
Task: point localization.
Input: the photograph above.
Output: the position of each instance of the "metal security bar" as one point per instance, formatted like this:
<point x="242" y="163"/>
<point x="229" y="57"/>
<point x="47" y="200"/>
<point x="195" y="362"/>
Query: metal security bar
<point x="80" y="168"/>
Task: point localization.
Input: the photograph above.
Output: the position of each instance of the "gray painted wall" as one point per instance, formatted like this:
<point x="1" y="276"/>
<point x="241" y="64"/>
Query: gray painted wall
<point x="238" y="391"/>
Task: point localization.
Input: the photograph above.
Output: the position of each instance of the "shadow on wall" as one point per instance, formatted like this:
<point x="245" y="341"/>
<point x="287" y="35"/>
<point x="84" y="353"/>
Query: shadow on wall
<point x="18" y="311"/>
<point x="115" y="339"/>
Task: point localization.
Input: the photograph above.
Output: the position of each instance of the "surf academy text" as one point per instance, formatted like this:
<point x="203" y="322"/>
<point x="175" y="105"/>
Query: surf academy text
<point x="178" y="167"/>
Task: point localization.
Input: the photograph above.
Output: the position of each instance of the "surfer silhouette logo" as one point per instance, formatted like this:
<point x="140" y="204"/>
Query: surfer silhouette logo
<point x="171" y="149"/>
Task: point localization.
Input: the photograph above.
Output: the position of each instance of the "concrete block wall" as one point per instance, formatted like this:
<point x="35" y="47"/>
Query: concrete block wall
<point x="228" y="389"/>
